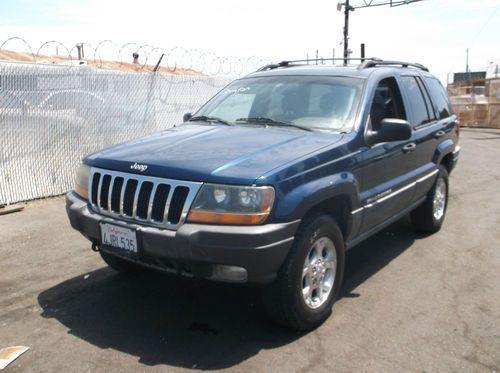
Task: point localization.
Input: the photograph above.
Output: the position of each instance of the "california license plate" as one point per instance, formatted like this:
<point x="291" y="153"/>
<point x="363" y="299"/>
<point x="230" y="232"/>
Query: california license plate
<point x="118" y="237"/>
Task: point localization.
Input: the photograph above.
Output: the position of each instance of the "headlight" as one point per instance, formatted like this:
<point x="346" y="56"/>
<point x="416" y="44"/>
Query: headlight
<point x="227" y="204"/>
<point x="82" y="181"/>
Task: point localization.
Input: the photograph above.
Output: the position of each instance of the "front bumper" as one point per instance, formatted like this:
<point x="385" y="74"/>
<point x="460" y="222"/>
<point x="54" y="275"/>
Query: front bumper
<point x="196" y="249"/>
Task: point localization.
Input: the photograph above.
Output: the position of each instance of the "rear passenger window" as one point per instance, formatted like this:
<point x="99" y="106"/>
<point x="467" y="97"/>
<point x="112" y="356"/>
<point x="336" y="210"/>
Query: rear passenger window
<point x="427" y="99"/>
<point x="439" y="98"/>
<point x="420" y="114"/>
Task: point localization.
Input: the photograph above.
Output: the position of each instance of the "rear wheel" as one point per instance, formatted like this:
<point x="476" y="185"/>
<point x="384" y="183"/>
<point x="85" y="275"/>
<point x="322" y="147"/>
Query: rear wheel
<point x="309" y="281"/>
<point x="120" y="265"/>
<point x="429" y="216"/>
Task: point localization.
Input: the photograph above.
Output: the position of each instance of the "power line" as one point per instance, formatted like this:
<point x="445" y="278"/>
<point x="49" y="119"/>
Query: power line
<point x="484" y="25"/>
<point x="473" y="40"/>
<point x="392" y="3"/>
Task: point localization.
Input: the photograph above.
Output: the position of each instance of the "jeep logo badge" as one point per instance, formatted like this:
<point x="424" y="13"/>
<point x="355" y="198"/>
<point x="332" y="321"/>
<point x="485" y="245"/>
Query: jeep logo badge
<point x="138" y="167"/>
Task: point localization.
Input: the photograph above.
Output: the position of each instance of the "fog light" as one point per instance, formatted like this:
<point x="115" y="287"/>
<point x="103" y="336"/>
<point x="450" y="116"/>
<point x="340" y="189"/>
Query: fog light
<point x="230" y="273"/>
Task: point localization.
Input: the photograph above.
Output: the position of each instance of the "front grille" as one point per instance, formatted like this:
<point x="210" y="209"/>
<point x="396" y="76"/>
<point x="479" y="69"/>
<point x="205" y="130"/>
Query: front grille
<point x="151" y="200"/>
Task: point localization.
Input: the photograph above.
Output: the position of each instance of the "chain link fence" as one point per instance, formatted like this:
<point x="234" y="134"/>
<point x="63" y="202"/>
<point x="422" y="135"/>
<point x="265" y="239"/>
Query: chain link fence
<point x="53" y="115"/>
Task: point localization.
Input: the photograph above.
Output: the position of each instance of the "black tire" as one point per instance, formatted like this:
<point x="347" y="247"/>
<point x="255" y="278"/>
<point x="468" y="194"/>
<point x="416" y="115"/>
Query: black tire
<point x="284" y="299"/>
<point x="424" y="217"/>
<point x="121" y="265"/>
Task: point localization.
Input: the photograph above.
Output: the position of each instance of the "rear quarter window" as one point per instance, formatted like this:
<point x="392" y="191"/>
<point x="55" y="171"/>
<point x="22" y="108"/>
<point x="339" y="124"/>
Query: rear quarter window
<point x="439" y="98"/>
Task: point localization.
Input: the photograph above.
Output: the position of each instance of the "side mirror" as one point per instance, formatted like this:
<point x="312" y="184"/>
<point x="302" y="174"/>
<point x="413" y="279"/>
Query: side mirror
<point x="390" y="130"/>
<point x="186" y="117"/>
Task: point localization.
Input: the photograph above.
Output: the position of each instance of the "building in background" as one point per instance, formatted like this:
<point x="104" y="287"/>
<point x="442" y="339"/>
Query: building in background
<point x="475" y="96"/>
<point x="493" y="70"/>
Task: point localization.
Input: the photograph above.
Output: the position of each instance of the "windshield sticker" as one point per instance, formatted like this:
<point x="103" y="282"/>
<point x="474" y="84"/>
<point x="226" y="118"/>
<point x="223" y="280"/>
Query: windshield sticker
<point x="236" y="90"/>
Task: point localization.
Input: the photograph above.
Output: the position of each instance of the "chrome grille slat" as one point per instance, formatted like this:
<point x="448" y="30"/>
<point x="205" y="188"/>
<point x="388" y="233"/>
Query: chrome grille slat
<point x="167" y="204"/>
<point x="122" y="192"/>
<point x="99" y="192"/>
<point x="136" y="198"/>
<point x="148" y="204"/>
<point x="187" y="205"/>
<point x="111" y="184"/>
<point x="151" y="199"/>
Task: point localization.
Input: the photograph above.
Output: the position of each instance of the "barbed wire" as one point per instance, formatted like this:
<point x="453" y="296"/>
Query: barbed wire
<point x="130" y="56"/>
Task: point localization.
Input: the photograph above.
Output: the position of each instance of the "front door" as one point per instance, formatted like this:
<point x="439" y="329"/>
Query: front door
<point x="388" y="168"/>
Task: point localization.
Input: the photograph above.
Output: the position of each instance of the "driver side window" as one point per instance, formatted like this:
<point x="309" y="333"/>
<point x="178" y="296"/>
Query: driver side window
<point x="387" y="103"/>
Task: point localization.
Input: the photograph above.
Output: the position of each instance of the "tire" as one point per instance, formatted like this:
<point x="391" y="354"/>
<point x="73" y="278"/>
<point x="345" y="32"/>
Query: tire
<point x="429" y="216"/>
<point x="293" y="299"/>
<point x="121" y="265"/>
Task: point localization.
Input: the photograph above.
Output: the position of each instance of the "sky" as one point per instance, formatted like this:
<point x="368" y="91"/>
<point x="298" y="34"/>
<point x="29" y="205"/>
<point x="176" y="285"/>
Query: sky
<point x="435" y="33"/>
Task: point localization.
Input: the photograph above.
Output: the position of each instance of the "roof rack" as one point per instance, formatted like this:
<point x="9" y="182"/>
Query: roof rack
<point x="311" y="61"/>
<point x="374" y="63"/>
<point x="366" y="62"/>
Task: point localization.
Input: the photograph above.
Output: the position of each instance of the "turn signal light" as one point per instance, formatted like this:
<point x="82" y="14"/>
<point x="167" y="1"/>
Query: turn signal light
<point x="230" y="218"/>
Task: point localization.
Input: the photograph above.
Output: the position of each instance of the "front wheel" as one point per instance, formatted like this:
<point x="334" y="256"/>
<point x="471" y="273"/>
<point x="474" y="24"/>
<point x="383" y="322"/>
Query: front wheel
<point x="309" y="280"/>
<point x="429" y="216"/>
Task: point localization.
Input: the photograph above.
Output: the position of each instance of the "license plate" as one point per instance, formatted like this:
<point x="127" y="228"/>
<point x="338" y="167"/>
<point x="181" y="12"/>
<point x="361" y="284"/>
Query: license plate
<point x="119" y="237"/>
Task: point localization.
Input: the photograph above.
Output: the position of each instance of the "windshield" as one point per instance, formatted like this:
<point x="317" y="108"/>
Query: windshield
<point x="310" y="102"/>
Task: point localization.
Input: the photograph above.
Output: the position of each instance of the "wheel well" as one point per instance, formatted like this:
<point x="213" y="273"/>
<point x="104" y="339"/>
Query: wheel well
<point x="447" y="161"/>
<point x="339" y="208"/>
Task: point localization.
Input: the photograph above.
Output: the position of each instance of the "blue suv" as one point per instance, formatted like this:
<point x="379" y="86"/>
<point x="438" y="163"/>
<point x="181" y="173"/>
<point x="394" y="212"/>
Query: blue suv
<point x="274" y="178"/>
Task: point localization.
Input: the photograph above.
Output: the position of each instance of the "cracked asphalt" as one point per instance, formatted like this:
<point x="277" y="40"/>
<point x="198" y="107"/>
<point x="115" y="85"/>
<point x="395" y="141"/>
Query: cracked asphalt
<point x="410" y="302"/>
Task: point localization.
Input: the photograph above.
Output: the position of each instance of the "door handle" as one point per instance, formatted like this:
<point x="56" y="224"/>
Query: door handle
<point x="439" y="134"/>
<point x="409" y="147"/>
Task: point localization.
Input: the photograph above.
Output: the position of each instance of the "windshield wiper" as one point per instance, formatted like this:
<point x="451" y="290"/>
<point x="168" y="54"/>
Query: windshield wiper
<point x="272" y="122"/>
<point x="204" y="118"/>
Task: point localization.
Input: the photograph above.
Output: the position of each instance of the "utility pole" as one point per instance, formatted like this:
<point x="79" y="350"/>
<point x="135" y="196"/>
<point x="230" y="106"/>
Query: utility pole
<point x="467" y="60"/>
<point x="346" y="32"/>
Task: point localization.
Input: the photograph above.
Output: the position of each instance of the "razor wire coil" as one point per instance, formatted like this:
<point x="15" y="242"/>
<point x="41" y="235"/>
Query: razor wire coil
<point x="176" y="58"/>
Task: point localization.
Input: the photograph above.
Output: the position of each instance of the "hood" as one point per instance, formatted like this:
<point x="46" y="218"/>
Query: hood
<point x="212" y="153"/>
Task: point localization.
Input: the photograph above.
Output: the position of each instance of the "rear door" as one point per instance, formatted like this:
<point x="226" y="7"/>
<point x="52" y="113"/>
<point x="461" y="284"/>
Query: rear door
<point x="430" y="116"/>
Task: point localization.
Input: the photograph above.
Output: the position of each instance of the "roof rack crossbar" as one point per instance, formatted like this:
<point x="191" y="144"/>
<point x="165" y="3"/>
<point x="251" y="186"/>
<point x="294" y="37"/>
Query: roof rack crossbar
<point x="373" y="63"/>
<point x="366" y="62"/>
<point x="311" y="61"/>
